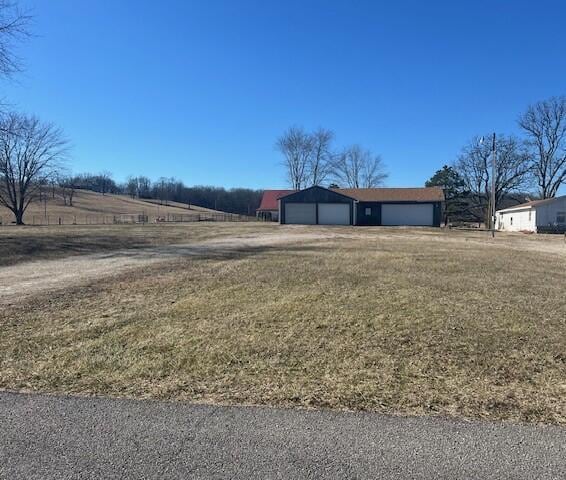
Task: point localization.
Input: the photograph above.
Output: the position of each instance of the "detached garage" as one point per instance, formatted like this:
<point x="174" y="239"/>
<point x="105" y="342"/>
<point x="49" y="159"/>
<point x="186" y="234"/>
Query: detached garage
<point x="362" y="206"/>
<point x="300" y="213"/>
<point x="412" y="214"/>
<point x="316" y="206"/>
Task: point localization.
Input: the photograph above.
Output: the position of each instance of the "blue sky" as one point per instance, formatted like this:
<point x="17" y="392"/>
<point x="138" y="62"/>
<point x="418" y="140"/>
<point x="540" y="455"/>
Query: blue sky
<point x="201" y="90"/>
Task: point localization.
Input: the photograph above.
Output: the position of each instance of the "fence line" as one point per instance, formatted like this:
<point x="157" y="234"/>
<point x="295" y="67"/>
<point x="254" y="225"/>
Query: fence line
<point x="94" y="219"/>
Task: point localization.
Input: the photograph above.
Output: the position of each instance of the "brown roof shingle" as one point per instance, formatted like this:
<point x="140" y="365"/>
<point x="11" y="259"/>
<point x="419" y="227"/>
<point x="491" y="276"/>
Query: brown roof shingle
<point x="424" y="194"/>
<point x="270" y="198"/>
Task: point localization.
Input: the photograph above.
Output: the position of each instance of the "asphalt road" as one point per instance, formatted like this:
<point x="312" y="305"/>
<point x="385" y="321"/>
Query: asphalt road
<point x="52" y="437"/>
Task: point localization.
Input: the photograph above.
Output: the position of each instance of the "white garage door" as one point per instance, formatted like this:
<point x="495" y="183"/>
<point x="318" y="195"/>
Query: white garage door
<point x="334" y="213"/>
<point x="300" y="213"/>
<point x="407" y="214"/>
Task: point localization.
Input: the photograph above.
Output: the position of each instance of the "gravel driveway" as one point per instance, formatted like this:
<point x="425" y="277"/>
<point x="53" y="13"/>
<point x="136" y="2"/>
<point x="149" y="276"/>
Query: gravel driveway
<point x="30" y="278"/>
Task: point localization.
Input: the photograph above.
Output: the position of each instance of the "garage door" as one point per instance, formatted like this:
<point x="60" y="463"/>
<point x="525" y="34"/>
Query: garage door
<point x="300" y="213"/>
<point x="404" y="214"/>
<point x="334" y="213"/>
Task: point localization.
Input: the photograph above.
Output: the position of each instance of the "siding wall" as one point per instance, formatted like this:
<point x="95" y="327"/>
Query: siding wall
<point x="375" y="217"/>
<point x="517" y="220"/>
<point x="315" y="195"/>
<point x="546" y="214"/>
<point x="541" y="216"/>
<point x="323" y="195"/>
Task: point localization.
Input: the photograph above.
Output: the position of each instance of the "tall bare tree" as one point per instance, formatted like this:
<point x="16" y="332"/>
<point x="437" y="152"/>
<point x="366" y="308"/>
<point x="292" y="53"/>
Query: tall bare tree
<point x="512" y="173"/>
<point x="358" y="168"/>
<point x="321" y="157"/>
<point x="13" y="27"/>
<point x="545" y="126"/>
<point x="30" y="151"/>
<point x="296" y="145"/>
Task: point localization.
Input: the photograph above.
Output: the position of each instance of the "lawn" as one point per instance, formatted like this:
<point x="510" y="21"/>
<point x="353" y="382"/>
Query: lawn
<point x="19" y="244"/>
<point x="90" y="207"/>
<point x="390" y="320"/>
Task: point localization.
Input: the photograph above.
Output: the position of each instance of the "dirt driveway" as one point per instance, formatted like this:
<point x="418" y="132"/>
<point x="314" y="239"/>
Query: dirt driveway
<point x="31" y="278"/>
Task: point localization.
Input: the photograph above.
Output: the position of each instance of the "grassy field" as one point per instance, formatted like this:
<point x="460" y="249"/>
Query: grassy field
<point x="19" y="244"/>
<point x="89" y="206"/>
<point x="391" y="320"/>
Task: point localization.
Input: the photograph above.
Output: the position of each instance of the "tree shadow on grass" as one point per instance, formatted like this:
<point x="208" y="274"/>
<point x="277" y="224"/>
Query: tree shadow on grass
<point x="212" y="251"/>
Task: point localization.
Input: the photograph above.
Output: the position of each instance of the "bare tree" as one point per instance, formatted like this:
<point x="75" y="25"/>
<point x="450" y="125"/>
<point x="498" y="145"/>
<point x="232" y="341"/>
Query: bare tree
<point x="512" y="174"/>
<point x="358" y="168"/>
<point x="30" y="151"/>
<point x="163" y="190"/>
<point x="67" y="187"/>
<point x="144" y="187"/>
<point x="105" y="181"/>
<point x="13" y="27"/>
<point x="296" y="145"/>
<point x="132" y="186"/>
<point x="545" y="126"/>
<point x="320" y="160"/>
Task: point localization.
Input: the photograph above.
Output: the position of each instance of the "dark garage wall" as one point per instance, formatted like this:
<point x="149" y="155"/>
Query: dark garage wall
<point x="323" y="195"/>
<point x="316" y="195"/>
<point x="437" y="214"/>
<point x="375" y="217"/>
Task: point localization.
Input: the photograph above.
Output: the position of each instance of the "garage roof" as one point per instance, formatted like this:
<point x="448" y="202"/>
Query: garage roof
<point x="425" y="194"/>
<point x="530" y="204"/>
<point x="270" y="197"/>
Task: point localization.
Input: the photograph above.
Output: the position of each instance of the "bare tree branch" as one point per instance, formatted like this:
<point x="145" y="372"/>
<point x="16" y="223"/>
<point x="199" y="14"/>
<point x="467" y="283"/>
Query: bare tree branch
<point x="545" y="126"/>
<point x="30" y="151"/>
<point x="358" y="168"/>
<point x="13" y="28"/>
<point x="67" y="188"/>
<point x="297" y="147"/>
<point x="512" y="172"/>
<point x="320" y="160"/>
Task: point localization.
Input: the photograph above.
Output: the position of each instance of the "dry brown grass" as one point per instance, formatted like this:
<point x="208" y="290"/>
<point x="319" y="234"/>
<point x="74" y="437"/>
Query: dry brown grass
<point x="19" y="244"/>
<point x="88" y="205"/>
<point x="398" y="321"/>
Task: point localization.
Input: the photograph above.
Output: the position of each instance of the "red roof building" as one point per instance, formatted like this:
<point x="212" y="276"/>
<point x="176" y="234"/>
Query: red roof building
<point x="269" y="206"/>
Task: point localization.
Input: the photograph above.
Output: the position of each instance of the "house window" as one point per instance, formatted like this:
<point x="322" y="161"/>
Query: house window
<point x="368" y="211"/>
<point x="511" y="220"/>
<point x="560" y="218"/>
<point x="530" y="215"/>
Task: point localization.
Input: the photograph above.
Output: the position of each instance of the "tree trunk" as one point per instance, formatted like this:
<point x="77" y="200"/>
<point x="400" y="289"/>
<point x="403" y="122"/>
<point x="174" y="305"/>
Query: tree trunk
<point x="19" y="217"/>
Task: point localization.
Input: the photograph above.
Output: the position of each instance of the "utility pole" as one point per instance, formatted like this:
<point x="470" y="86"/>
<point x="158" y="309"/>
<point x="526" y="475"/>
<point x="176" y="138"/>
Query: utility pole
<point x="43" y="196"/>
<point x="493" y="169"/>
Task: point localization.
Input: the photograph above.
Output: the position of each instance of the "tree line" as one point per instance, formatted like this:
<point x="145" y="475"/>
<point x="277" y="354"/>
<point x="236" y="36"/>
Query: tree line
<point x="166" y="191"/>
<point x="310" y="158"/>
<point x="243" y="201"/>
<point x="530" y="166"/>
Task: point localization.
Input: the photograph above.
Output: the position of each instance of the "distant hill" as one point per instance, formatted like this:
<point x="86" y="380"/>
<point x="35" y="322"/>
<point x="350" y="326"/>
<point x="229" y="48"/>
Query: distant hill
<point x="88" y="205"/>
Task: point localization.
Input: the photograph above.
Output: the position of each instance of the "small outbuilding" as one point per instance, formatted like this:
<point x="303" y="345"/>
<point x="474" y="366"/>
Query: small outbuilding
<point x="269" y="207"/>
<point x="542" y="216"/>
<point x="361" y="206"/>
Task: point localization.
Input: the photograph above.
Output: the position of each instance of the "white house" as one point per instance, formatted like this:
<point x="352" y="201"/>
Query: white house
<point x="534" y="216"/>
